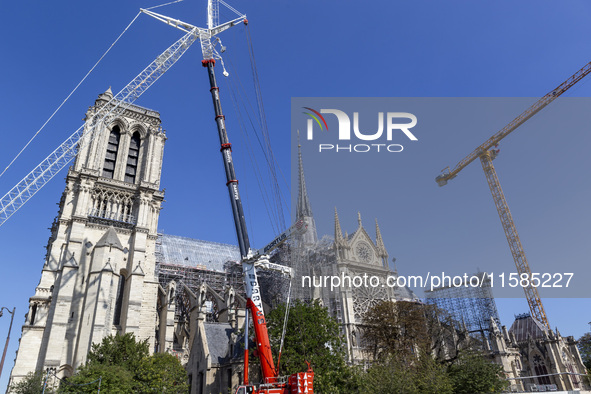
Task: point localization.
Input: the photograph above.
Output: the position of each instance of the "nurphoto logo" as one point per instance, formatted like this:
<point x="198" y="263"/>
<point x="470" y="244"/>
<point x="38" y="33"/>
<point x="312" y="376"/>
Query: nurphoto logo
<point x="394" y="123"/>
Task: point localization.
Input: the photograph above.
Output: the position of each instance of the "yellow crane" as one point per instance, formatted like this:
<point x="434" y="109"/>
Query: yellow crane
<point x="486" y="152"/>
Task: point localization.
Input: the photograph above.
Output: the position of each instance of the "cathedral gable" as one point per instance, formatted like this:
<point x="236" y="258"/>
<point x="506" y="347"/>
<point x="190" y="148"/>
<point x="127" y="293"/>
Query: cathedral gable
<point x="363" y="249"/>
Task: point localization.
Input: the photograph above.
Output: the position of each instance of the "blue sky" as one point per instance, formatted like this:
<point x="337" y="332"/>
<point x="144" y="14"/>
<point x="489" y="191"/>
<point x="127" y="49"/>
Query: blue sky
<point x="307" y="49"/>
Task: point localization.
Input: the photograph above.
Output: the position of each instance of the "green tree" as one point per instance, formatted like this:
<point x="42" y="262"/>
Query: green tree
<point x="397" y="329"/>
<point x="406" y="329"/>
<point x="313" y="336"/>
<point x="473" y="373"/>
<point x="411" y="346"/>
<point x="162" y="373"/>
<point x="123" y="350"/>
<point x="584" y="345"/>
<point x="391" y="376"/>
<point x="32" y="383"/>
<point x="123" y="365"/>
<point x="112" y="379"/>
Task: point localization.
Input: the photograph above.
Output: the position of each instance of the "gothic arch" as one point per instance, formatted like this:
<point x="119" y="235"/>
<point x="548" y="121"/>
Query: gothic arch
<point x="66" y="370"/>
<point x="140" y="128"/>
<point x="539" y="367"/>
<point x="121" y="122"/>
<point x="217" y="302"/>
<point x="112" y="152"/>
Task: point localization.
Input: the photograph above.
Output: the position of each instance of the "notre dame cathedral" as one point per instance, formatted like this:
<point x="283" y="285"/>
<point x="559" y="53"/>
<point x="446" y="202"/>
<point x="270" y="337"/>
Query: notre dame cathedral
<point x="108" y="270"/>
<point x="98" y="276"/>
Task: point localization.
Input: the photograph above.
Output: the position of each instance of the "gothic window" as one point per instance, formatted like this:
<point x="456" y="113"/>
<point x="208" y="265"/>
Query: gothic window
<point x="33" y="313"/>
<point x="111" y="156"/>
<point x="366" y="297"/>
<point x="211" y="307"/>
<point x="132" y="158"/>
<point x="119" y="301"/>
<point x="112" y="205"/>
<point x="541" y="370"/>
<point x="569" y="367"/>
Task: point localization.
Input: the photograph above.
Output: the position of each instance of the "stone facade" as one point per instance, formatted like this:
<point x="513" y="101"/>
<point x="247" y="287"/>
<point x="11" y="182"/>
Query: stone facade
<point x="99" y="273"/>
<point x="552" y="361"/>
<point x="355" y="256"/>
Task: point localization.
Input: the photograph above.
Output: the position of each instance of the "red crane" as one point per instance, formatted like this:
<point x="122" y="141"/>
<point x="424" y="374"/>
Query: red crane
<point x="271" y="383"/>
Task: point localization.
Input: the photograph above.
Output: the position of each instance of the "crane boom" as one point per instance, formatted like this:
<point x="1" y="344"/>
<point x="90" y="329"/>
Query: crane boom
<point x="447" y="174"/>
<point x="63" y="154"/>
<point x="250" y="259"/>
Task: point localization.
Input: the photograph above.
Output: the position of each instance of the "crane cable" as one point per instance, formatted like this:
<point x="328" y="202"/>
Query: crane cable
<point x="284" y="324"/>
<point x="77" y="86"/>
<point x="244" y="131"/>
<point x="265" y="130"/>
<point x="273" y="214"/>
<point x="238" y="94"/>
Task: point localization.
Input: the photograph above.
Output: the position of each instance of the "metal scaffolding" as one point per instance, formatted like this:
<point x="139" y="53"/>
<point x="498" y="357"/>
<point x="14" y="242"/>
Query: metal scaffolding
<point x="193" y="262"/>
<point x="470" y="306"/>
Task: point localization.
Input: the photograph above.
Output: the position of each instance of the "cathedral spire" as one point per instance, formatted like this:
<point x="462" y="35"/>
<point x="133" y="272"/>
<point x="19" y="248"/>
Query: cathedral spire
<point x="338" y="233"/>
<point x="379" y="240"/>
<point x="304" y="208"/>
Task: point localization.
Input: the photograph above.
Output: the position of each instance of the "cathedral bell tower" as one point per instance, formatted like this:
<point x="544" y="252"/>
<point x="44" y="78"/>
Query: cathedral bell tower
<point x="98" y="277"/>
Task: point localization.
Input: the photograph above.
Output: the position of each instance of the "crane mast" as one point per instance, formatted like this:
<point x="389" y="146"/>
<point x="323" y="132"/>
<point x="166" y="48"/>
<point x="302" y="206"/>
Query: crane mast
<point x="531" y="293"/>
<point x="253" y="293"/>
<point x="486" y="155"/>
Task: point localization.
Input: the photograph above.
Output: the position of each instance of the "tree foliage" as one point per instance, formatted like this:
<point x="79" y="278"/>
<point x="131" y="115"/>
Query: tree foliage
<point x="473" y="373"/>
<point x="416" y="349"/>
<point x="396" y="328"/>
<point x="112" y="379"/>
<point x="313" y="336"/>
<point x="32" y="383"/>
<point x="584" y="345"/>
<point x="406" y="329"/>
<point x="162" y="373"/>
<point x="392" y="376"/>
<point x="124" y="365"/>
<point x="123" y="350"/>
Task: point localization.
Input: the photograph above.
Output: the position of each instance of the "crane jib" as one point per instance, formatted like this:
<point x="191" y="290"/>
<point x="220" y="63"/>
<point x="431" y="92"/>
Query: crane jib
<point x="515" y="123"/>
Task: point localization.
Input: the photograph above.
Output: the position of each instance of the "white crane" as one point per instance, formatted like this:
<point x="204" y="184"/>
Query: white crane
<point x="63" y="154"/>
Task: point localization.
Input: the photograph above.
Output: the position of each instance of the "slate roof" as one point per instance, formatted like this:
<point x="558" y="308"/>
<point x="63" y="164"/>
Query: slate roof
<point x="176" y="250"/>
<point x="525" y="325"/>
<point x="218" y="339"/>
<point x="405" y="293"/>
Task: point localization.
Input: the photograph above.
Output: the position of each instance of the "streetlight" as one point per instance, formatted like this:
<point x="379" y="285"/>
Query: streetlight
<point x="8" y="337"/>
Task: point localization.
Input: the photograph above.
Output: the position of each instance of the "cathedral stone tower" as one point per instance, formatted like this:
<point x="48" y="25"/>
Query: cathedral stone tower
<point x="99" y="273"/>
